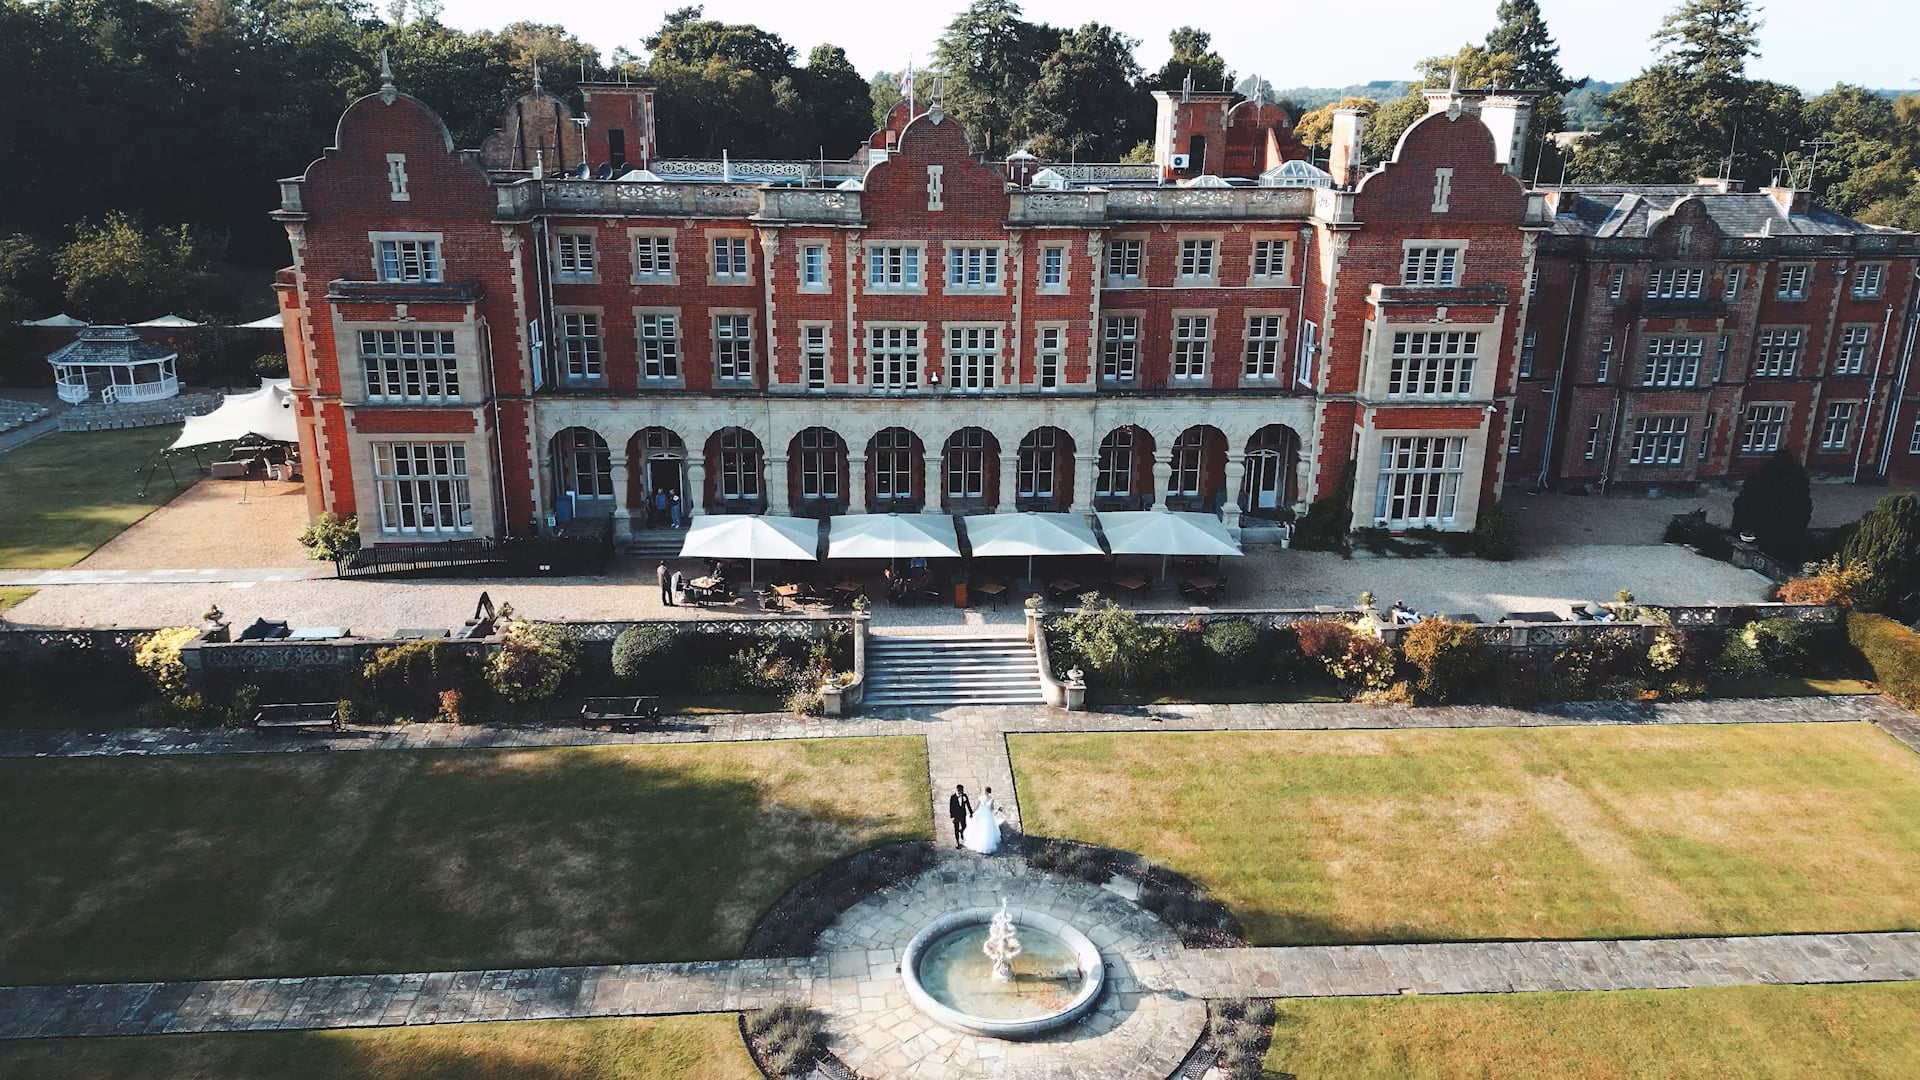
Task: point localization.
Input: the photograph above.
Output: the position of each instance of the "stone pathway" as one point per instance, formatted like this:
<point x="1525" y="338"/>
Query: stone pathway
<point x="41" y="579"/>
<point x="966" y="734"/>
<point x="1502" y="967"/>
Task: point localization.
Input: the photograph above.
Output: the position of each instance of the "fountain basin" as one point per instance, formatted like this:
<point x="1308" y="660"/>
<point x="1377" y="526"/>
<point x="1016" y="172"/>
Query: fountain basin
<point x="1057" y="977"/>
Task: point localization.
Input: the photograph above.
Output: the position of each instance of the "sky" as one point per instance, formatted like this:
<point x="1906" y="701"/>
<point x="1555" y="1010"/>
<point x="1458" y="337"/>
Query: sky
<point x="1808" y="43"/>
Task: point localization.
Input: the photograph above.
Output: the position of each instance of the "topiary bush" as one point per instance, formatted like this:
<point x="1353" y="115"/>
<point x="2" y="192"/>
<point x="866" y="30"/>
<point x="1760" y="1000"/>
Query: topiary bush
<point x="646" y="653"/>
<point x="1329" y="520"/>
<point x="1496" y="535"/>
<point x="1450" y="659"/>
<point x="1775" y="504"/>
<point x="1232" y="648"/>
<point x="534" y="659"/>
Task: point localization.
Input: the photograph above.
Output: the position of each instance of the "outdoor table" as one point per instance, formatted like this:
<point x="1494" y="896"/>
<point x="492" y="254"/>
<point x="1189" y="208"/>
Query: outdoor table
<point x="788" y="591"/>
<point x="1062" y="588"/>
<point x="1133" y="583"/>
<point x="992" y="590"/>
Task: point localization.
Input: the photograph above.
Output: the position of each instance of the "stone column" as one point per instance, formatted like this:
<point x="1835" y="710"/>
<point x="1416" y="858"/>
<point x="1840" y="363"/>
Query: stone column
<point x="1162" y="477"/>
<point x="1009" y="482"/>
<point x="856" y="483"/>
<point x="622" y="516"/>
<point x="696" y="497"/>
<point x="776" y="480"/>
<point x="1083" y="472"/>
<point x="548" y="492"/>
<point x="931" y="460"/>
<point x="1236" y="474"/>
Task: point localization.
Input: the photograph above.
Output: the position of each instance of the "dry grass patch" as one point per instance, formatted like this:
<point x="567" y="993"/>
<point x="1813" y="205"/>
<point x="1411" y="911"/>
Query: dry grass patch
<point x="659" y="1048"/>
<point x="1747" y="1031"/>
<point x="202" y="867"/>
<point x="1505" y="833"/>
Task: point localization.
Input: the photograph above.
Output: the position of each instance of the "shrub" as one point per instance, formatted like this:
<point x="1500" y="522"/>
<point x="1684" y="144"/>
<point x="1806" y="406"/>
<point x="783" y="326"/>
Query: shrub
<point x="1496" y="535"/>
<point x="157" y="655"/>
<point x="1886" y="543"/>
<point x="405" y="681"/>
<point x="1328" y="519"/>
<point x="453" y="707"/>
<point x="271" y="365"/>
<point x="1231" y="647"/>
<point x="645" y="652"/>
<point x="1769" y="647"/>
<point x="1356" y="660"/>
<point x="331" y="538"/>
<point x="1892" y="651"/>
<point x="534" y="659"/>
<point x="1775" y="504"/>
<point x="805" y="701"/>
<point x="1449" y="657"/>
<point x="1118" y="650"/>
<point x="1611" y="665"/>
<point x="1831" y="581"/>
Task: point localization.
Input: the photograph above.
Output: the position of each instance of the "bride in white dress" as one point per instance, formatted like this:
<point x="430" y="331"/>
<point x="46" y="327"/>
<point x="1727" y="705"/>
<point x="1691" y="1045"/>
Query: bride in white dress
<point x="983" y="828"/>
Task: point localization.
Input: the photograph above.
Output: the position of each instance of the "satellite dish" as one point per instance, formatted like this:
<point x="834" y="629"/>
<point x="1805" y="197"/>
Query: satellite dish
<point x="583" y="172"/>
<point x="605" y="172"/>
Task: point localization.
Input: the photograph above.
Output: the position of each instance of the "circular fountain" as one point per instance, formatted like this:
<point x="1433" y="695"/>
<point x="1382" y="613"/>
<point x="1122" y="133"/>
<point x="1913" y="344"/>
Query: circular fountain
<point x="1002" y="974"/>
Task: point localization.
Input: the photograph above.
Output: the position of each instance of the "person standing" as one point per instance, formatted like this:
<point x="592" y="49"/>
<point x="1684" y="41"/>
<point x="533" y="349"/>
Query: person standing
<point x="666" y="586"/>
<point x="982" y="833"/>
<point x="659" y="506"/>
<point x="958" y="808"/>
<point x="673" y="507"/>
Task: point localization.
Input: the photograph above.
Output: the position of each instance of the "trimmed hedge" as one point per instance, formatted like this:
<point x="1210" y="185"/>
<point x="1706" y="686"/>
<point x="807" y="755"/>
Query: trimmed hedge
<point x="1892" y="651"/>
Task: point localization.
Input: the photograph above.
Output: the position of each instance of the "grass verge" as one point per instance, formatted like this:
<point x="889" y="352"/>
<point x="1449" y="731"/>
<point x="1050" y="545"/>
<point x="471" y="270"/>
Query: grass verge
<point x="69" y="493"/>
<point x="13" y="598"/>
<point x="1735" y="1031"/>
<point x="381" y="861"/>
<point x="660" y="1048"/>
<point x="1378" y="836"/>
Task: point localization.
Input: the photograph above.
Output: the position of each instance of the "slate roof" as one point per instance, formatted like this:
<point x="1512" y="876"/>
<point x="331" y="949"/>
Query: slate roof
<point x="1633" y="211"/>
<point x="110" y="345"/>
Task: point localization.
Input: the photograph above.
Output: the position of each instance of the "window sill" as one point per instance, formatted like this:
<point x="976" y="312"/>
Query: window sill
<point x="896" y="290"/>
<point x="654" y="279"/>
<point x="576" y="279"/>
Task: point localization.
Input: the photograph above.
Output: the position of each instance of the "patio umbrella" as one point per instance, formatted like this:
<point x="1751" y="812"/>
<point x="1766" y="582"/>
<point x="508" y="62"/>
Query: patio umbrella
<point x="1030" y="534"/>
<point x="1166" y="533"/>
<point x="168" y="320"/>
<point x="892" y="536"/>
<point x="61" y="320"/>
<point x="271" y="322"/>
<point x="751" y="537"/>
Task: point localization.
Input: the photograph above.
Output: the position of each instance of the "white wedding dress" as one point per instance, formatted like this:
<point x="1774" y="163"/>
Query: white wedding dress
<point x="983" y="828"/>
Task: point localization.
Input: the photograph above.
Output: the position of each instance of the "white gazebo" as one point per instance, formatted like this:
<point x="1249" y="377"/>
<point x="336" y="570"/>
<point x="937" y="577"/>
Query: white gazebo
<point x="112" y="365"/>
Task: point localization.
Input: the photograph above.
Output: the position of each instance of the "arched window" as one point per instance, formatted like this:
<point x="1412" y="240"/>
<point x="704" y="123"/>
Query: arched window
<point x="739" y="466"/>
<point x="1187" y="449"/>
<point x="1116" y="464"/>
<point x="1037" y="457"/>
<point x="821" y="453"/>
<point x="892" y="464"/>
<point x="585" y="464"/>
<point x="967" y="464"/>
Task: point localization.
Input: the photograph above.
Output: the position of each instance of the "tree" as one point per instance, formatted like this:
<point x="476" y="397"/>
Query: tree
<point x="1520" y="32"/>
<point x="1774" y="505"/>
<point x="1193" y="57"/>
<point x="1886" y="543"/>
<point x="884" y="92"/>
<point x="1471" y="66"/>
<point x="987" y="61"/>
<point x="117" y="272"/>
<point x="1315" y="128"/>
<point x="1086" y="102"/>
<point x="839" y="101"/>
<point x="1694" y="112"/>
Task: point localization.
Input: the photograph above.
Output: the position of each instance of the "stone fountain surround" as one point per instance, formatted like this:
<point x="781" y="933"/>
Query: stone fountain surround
<point x="1139" y="1027"/>
<point x="1086" y="955"/>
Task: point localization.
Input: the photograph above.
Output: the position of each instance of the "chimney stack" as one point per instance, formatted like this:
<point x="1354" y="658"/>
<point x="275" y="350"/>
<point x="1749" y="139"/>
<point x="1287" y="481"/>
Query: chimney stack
<point x="1508" y="117"/>
<point x="1343" y="159"/>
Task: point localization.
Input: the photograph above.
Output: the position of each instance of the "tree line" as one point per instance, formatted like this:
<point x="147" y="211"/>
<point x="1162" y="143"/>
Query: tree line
<point x="142" y="137"/>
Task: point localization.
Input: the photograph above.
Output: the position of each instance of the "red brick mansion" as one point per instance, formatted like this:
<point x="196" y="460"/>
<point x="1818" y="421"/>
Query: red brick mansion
<point x="552" y="327"/>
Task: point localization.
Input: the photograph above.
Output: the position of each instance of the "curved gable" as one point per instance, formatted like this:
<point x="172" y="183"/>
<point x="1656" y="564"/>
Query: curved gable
<point x="355" y="170"/>
<point x="933" y="146"/>
<point x="1476" y="183"/>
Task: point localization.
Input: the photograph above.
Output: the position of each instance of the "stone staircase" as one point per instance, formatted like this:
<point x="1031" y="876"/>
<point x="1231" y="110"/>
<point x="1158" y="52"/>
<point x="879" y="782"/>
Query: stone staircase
<point x="653" y="544"/>
<point x="947" y="670"/>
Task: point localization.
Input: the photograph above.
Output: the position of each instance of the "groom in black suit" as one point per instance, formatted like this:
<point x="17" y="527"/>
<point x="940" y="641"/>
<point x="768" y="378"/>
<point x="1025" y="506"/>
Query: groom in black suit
<point x="958" y="808"/>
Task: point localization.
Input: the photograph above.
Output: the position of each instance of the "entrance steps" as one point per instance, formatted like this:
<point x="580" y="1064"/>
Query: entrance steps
<point x="945" y="670"/>
<point x="655" y="544"/>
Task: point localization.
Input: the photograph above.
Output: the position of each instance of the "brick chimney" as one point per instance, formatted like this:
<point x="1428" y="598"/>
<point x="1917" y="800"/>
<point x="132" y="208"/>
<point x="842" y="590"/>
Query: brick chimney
<point x="1508" y="116"/>
<point x="1343" y="158"/>
<point x="619" y="124"/>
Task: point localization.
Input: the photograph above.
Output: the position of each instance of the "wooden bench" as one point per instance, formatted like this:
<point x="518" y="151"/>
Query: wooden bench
<point x="299" y="717"/>
<point x="620" y="713"/>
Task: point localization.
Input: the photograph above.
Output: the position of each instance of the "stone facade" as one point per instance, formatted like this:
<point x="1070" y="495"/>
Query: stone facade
<point x="487" y="342"/>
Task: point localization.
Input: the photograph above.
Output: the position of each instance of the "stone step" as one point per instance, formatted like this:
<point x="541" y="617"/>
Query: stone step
<point x="889" y="698"/>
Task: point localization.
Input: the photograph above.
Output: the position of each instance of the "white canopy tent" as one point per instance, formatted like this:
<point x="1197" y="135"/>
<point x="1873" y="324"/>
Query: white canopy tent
<point x="63" y="320"/>
<point x="751" y="537"/>
<point x="266" y="413"/>
<point x="1030" y="534"/>
<point x="168" y="320"/>
<point x="892" y="536"/>
<point x="1166" y="533"/>
<point x="271" y="322"/>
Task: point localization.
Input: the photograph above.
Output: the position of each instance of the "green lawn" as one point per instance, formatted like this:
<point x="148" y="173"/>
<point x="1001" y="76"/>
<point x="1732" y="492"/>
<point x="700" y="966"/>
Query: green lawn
<point x="1363" y="836"/>
<point x="67" y="494"/>
<point x="1784" y="1032"/>
<point x="11" y="598"/>
<point x="378" y="861"/>
<point x="659" y="1048"/>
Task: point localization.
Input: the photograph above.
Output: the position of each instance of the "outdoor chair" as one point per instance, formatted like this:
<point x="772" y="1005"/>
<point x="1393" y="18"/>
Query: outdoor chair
<point x="301" y="716"/>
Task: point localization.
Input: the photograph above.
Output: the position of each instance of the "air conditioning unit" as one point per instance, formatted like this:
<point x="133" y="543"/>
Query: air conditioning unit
<point x="1177" y="161"/>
